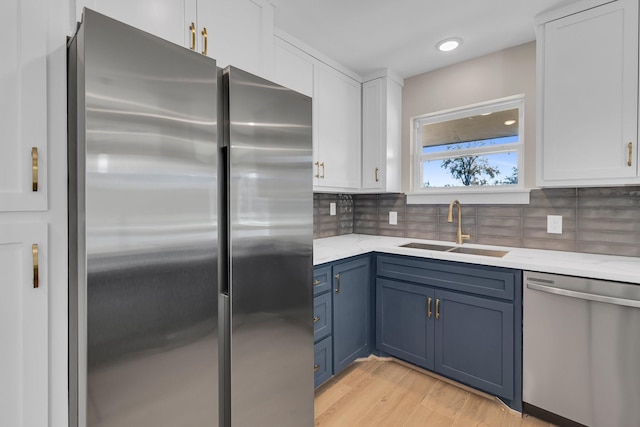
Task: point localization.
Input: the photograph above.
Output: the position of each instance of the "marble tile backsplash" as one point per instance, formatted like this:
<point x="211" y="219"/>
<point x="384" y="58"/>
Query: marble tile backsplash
<point x="594" y="220"/>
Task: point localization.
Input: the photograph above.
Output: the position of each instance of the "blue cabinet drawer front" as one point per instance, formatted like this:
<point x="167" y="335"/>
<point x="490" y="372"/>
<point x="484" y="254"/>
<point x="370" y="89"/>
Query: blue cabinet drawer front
<point x="321" y="280"/>
<point x="495" y="282"/>
<point x="322" y="361"/>
<point x="321" y="316"/>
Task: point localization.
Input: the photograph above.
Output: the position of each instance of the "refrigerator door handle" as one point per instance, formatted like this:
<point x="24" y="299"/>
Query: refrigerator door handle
<point x="224" y="227"/>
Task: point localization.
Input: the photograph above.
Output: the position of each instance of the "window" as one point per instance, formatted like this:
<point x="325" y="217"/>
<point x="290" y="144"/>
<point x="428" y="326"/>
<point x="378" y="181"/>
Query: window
<point x="474" y="149"/>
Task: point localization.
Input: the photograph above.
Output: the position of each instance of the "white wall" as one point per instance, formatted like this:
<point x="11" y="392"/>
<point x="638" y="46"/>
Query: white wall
<point x="508" y="72"/>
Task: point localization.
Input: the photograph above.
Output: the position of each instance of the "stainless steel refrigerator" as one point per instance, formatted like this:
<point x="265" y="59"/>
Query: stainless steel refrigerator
<point x="190" y="238"/>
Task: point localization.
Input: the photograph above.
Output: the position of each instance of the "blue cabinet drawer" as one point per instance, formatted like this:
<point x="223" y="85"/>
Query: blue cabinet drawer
<point x="497" y="282"/>
<point x="321" y="316"/>
<point x="321" y="280"/>
<point x="322" y="361"/>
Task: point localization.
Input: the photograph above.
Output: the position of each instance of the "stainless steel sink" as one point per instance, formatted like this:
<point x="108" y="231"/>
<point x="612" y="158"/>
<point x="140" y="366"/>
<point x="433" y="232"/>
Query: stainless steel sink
<point x="427" y="246"/>
<point x="477" y="251"/>
<point x="456" y="249"/>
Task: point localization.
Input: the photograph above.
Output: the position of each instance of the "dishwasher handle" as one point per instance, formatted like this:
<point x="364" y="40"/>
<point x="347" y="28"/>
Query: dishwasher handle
<point x="583" y="295"/>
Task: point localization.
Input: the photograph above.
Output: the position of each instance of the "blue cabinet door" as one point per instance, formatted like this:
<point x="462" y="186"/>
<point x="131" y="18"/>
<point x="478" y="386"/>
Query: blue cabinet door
<point x="405" y="321"/>
<point x="474" y="342"/>
<point x="351" y="312"/>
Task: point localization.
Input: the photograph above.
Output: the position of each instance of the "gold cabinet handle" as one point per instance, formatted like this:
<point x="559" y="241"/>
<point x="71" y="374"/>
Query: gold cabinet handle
<point x="377" y="174"/>
<point x="316" y="319"/>
<point x="193" y="36"/>
<point x="630" y="153"/>
<point x="337" y="276"/>
<point x="429" y="307"/>
<point x="437" y="309"/>
<point x="316" y="282"/>
<point x="317" y="175"/>
<point x="36" y="278"/>
<point x="322" y="166"/>
<point x="204" y="41"/>
<point x="315" y="368"/>
<point x="34" y="169"/>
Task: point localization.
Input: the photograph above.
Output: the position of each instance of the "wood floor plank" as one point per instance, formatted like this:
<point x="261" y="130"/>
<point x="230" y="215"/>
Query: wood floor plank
<point x="480" y="412"/>
<point x="333" y="393"/>
<point x="334" y="389"/>
<point x="428" y="416"/>
<point x="446" y="398"/>
<point x="395" y="407"/>
<point x="383" y="393"/>
<point x="349" y="409"/>
<point x="362" y="369"/>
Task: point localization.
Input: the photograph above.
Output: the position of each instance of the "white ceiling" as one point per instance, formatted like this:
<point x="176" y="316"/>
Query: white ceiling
<point x="369" y="35"/>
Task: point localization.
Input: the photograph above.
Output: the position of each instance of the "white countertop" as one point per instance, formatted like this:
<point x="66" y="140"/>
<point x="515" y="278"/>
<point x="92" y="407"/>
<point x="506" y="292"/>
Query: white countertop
<point x="606" y="267"/>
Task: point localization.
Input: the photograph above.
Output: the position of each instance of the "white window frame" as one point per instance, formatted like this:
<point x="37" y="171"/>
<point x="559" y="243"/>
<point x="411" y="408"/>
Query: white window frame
<point x="486" y="194"/>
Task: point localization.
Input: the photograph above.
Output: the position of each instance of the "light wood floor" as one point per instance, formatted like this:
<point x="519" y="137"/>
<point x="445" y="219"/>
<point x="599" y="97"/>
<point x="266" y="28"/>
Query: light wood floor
<point x="386" y="393"/>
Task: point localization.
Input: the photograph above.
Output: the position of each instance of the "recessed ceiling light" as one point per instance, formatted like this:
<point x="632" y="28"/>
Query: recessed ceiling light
<point x="485" y="114"/>
<point x="509" y="122"/>
<point x="447" y="45"/>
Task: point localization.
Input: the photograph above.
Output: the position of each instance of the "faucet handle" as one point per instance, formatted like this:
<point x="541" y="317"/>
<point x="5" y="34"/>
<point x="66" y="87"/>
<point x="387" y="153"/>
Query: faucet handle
<point x="464" y="237"/>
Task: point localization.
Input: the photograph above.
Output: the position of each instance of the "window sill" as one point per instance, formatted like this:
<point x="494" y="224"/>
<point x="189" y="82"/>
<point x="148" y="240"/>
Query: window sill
<point x="476" y="196"/>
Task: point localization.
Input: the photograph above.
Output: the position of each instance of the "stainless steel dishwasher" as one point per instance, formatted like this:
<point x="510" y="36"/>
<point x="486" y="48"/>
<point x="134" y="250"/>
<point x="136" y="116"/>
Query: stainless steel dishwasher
<point x="581" y="349"/>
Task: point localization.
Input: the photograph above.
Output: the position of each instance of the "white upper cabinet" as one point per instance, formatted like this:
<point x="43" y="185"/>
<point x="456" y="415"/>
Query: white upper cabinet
<point x="23" y="105"/>
<point x="24" y="358"/>
<point x="234" y="32"/>
<point x="293" y="68"/>
<point x="240" y="33"/>
<point x="165" y="18"/>
<point x="337" y="131"/>
<point x="381" y="134"/>
<point x="337" y="142"/>
<point x="588" y="94"/>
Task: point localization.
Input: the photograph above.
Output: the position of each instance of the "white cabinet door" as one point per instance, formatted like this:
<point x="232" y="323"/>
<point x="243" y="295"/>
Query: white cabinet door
<point x="337" y="127"/>
<point x="23" y="104"/>
<point x="163" y="18"/>
<point x="24" y="371"/>
<point x="373" y="130"/>
<point x="381" y="135"/>
<point x="240" y="33"/>
<point x="293" y="68"/>
<point x="588" y="65"/>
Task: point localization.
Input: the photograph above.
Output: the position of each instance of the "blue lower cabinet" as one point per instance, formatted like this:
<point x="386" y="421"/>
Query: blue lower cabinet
<point x="322" y="361"/>
<point x="464" y="333"/>
<point x="474" y="342"/>
<point x="405" y="321"/>
<point x="351" y="312"/>
<point x="342" y="307"/>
